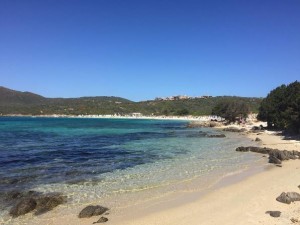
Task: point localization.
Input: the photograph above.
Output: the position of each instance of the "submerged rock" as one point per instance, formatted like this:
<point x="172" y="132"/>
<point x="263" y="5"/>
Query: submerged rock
<point x="288" y="197"/>
<point x="257" y="139"/>
<point x="47" y="203"/>
<point x="216" y="135"/>
<point x="101" y="220"/>
<point x="24" y="206"/>
<point x="91" y="210"/>
<point x="30" y="201"/>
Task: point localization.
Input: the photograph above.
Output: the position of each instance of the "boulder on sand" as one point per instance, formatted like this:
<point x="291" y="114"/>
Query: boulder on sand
<point x="92" y="210"/>
<point x="288" y="197"/>
<point x="274" y="213"/>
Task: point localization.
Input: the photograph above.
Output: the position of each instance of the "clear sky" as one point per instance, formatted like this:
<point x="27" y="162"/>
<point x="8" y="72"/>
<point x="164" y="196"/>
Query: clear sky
<point x="141" y="49"/>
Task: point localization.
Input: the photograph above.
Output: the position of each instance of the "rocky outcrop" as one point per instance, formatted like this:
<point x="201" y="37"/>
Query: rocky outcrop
<point x="254" y="149"/>
<point x="198" y="124"/>
<point x="288" y="197"/>
<point x="92" y="210"/>
<point x="275" y="156"/>
<point x="274" y="160"/>
<point x="234" y="129"/>
<point x="34" y="201"/>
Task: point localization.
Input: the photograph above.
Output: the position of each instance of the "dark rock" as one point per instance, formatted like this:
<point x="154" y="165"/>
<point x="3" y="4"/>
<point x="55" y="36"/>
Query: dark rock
<point x="91" y="210"/>
<point x="101" y="220"/>
<point x="283" y="155"/>
<point x="274" y="213"/>
<point x="257" y="139"/>
<point x="275" y="155"/>
<point x="234" y="129"/>
<point x="255" y="128"/>
<point x="24" y="206"/>
<point x="197" y="124"/>
<point x="47" y="203"/>
<point x="12" y="195"/>
<point x="279" y="165"/>
<point x="288" y="197"/>
<point x="216" y="135"/>
<point x="253" y="149"/>
<point x="273" y="159"/>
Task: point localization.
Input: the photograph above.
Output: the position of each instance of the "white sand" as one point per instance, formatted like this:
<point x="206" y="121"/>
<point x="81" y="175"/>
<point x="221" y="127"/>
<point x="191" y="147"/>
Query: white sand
<point x="244" y="202"/>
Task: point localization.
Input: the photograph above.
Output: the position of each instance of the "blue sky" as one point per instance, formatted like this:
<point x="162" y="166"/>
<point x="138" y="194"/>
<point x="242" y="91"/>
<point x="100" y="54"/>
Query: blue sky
<point x="141" y="49"/>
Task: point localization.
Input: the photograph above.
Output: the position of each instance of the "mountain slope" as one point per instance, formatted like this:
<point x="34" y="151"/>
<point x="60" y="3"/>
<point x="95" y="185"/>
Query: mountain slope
<point x="11" y="97"/>
<point x="26" y="103"/>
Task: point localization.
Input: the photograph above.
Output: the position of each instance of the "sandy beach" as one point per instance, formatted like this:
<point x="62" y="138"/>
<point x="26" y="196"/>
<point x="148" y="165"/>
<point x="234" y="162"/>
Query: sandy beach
<point x="241" y="198"/>
<point x="244" y="201"/>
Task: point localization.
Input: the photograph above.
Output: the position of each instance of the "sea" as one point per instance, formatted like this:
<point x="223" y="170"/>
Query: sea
<point x="112" y="162"/>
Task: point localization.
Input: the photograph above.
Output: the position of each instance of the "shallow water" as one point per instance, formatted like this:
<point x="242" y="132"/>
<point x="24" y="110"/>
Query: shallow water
<point x="92" y="160"/>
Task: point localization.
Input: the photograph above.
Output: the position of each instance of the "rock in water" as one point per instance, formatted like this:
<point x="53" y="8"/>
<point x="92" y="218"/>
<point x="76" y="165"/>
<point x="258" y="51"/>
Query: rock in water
<point x="288" y="197"/>
<point x="101" y="220"/>
<point x="91" y="210"/>
<point x="274" y="213"/>
<point x="47" y="203"/>
<point x="215" y="135"/>
<point x="257" y="139"/>
<point x="24" y="206"/>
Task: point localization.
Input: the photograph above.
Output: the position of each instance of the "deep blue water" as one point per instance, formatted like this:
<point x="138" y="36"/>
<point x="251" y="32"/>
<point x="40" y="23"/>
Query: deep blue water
<point x="36" y="151"/>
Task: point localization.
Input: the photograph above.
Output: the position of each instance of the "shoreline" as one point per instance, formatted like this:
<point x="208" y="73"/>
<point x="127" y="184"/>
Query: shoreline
<point x="182" y="118"/>
<point x="242" y="196"/>
<point x="239" y="198"/>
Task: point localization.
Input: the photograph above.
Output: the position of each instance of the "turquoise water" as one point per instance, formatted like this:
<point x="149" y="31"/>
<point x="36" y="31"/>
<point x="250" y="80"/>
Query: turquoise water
<point x="98" y="159"/>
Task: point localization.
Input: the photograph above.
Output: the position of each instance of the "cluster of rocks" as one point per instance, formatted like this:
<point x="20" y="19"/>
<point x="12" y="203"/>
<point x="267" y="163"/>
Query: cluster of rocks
<point x="286" y="198"/>
<point x="32" y="201"/>
<point x="199" y="124"/>
<point x="202" y="134"/>
<point x="275" y="156"/>
<point x="94" y="210"/>
<point x="39" y="203"/>
<point x="234" y="129"/>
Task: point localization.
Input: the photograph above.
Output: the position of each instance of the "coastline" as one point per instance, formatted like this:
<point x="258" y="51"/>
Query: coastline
<point x="140" y="117"/>
<point x="239" y="197"/>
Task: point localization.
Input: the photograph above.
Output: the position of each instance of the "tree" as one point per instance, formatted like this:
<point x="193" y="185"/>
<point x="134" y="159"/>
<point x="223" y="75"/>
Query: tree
<point x="281" y="108"/>
<point x="231" y="110"/>
<point x="182" y="112"/>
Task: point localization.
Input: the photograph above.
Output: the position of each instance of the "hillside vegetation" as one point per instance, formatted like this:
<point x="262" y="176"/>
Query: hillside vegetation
<point x="281" y="108"/>
<point x="26" y="103"/>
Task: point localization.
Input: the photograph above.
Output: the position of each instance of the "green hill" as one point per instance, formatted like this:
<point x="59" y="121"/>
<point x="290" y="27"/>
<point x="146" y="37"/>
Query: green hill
<point x="26" y="103"/>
